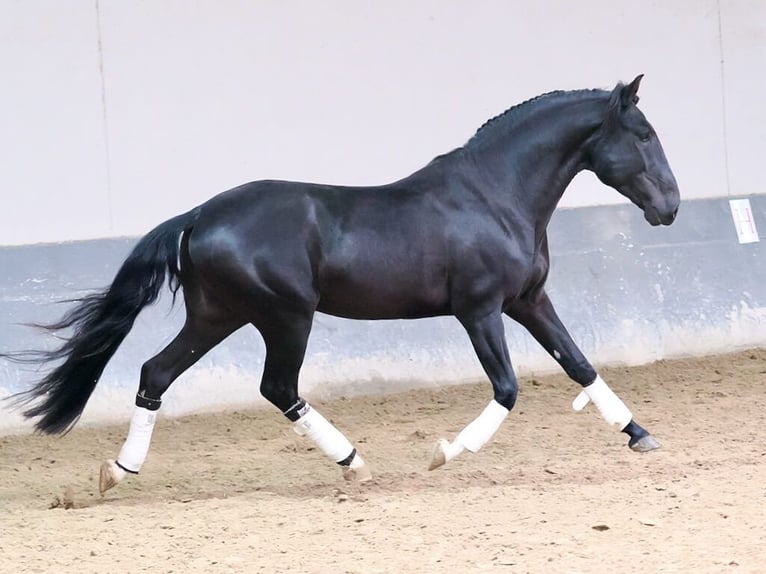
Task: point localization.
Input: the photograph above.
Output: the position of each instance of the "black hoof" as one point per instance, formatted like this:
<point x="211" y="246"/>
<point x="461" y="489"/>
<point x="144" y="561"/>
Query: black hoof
<point x="644" y="444"/>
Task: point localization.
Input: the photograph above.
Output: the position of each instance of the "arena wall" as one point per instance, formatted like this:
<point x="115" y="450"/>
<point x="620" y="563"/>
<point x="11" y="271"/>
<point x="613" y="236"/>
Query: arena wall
<point x="116" y="116"/>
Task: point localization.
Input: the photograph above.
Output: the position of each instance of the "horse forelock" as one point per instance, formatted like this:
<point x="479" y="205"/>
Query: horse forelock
<point x="521" y="110"/>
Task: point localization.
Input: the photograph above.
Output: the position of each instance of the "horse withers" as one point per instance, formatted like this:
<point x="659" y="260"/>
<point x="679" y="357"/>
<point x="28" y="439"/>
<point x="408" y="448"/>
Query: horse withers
<point x="463" y="236"/>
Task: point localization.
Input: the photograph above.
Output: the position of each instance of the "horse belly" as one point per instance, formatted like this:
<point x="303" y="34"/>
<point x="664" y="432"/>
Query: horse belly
<point x="394" y="288"/>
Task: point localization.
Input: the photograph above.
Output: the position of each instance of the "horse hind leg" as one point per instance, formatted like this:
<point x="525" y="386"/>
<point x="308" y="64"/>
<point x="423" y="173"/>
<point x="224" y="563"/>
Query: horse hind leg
<point x="286" y="336"/>
<point x="194" y="340"/>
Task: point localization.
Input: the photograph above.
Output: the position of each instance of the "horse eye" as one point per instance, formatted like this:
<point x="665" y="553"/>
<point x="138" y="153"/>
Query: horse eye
<point x="645" y="137"/>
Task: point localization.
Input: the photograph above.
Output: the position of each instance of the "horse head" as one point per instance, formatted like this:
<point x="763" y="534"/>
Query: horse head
<point x="626" y="154"/>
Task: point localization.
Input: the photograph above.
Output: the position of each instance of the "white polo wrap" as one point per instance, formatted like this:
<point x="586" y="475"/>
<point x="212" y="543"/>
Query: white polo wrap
<point x="479" y="431"/>
<point x="136" y="446"/>
<point x="608" y="404"/>
<point x="329" y="439"/>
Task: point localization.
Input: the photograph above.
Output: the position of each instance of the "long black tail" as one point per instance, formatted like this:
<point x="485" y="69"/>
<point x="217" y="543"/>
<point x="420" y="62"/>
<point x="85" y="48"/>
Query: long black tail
<point x="100" y="323"/>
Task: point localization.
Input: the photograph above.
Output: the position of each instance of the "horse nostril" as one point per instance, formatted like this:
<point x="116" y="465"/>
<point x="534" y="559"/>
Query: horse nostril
<point x="672" y="217"/>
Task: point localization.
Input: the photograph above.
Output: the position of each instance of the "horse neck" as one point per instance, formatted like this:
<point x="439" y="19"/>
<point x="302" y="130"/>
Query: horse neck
<point x="530" y="163"/>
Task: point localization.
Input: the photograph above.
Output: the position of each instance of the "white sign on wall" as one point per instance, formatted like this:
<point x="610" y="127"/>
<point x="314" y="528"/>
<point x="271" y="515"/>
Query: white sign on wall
<point x="743" y="220"/>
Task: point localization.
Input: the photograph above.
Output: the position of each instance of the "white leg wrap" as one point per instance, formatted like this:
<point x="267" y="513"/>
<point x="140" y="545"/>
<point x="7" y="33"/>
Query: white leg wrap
<point x="608" y="404"/>
<point x="481" y="429"/>
<point x="450" y="450"/>
<point x="133" y="452"/>
<point x="472" y="437"/>
<point x="329" y="439"/>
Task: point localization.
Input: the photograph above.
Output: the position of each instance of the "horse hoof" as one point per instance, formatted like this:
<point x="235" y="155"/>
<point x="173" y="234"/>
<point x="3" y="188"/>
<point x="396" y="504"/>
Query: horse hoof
<point x="361" y="474"/>
<point x="109" y="475"/>
<point x="439" y="455"/>
<point x="645" y="444"/>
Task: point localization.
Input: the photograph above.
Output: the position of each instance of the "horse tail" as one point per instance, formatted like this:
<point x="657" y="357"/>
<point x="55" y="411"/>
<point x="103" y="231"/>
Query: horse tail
<point x="100" y="323"/>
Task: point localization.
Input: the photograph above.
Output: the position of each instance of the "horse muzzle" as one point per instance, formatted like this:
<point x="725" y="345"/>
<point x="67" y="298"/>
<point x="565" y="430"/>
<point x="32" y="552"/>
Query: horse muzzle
<point x="657" y="216"/>
<point x="660" y="201"/>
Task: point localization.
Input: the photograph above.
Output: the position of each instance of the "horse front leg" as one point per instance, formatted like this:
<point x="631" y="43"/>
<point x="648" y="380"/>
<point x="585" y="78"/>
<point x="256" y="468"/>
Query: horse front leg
<point x="539" y="317"/>
<point x="488" y="338"/>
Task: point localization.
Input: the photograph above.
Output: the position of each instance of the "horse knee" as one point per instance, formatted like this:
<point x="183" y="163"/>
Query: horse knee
<point x="582" y="373"/>
<point x="506" y="394"/>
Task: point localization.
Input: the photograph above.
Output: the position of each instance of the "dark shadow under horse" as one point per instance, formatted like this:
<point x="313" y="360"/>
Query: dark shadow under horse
<point x="464" y="236"/>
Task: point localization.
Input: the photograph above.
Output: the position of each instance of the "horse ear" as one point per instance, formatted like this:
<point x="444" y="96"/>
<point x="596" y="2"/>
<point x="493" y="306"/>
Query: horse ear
<point x="621" y="97"/>
<point x="629" y="93"/>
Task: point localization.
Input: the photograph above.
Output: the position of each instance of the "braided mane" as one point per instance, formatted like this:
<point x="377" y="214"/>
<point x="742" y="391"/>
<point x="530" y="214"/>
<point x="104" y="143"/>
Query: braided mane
<point x="515" y="111"/>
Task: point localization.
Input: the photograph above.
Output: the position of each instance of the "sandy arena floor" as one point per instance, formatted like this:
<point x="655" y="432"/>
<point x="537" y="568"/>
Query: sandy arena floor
<point x="554" y="492"/>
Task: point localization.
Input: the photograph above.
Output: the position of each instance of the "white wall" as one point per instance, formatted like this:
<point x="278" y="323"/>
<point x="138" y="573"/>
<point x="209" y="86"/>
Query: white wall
<point x="201" y="96"/>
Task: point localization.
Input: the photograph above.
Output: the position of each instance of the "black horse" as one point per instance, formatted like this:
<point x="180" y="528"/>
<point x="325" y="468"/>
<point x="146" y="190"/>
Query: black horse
<point x="463" y="236"/>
